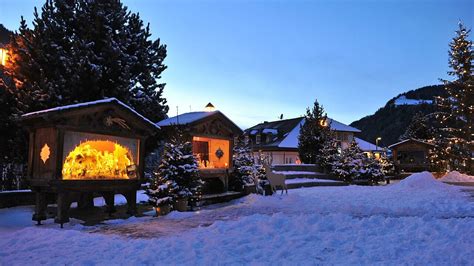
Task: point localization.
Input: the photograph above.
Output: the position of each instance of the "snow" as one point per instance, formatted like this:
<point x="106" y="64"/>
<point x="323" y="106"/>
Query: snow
<point x="455" y="176"/>
<point x="412" y="222"/>
<point x="295" y="172"/>
<point x="308" y="180"/>
<point x="291" y="140"/>
<point x="270" y="131"/>
<point x="367" y="146"/>
<point x="185" y="118"/>
<point x="85" y="104"/>
<point x="402" y="100"/>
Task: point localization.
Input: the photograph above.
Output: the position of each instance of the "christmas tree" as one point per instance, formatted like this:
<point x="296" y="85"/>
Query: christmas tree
<point x="178" y="172"/>
<point x="83" y="50"/>
<point x="419" y="128"/>
<point x="349" y="163"/>
<point x="330" y="153"/>
<point x="313" y="134"/>
<point x="243" y="163"/>
<point x="453" y="137"/>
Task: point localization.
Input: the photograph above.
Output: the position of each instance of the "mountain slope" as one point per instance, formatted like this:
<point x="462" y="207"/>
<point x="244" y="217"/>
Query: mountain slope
<point x="390" y="121"/>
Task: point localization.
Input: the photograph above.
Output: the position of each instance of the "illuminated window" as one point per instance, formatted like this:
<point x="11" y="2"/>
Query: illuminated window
<point x="211" y="153"/>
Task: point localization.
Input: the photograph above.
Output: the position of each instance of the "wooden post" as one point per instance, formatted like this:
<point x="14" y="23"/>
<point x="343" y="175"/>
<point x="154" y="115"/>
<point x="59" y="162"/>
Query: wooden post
<point x="131" y="197"/>
<point x="63" y="208"/>
<point x="40" y="207"/>
<point x="86" y="200"/>
<point x="109" y="198"/>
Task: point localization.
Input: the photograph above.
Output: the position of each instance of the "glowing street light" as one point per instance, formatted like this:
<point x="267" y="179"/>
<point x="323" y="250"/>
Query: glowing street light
<point x="377" y="143"/>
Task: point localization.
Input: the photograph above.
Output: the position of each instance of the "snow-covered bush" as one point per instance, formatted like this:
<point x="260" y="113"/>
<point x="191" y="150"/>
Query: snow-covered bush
<point x="329" y="154"/>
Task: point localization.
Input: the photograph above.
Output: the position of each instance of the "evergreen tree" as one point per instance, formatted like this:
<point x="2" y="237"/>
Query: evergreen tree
<point x="329" y="153"/>
<point x="419" y="128"/>
<point x="387" y="166"/>
<point x="243" y="163"/>
<point x="350" y="163"/>
<point x="180" y="167"/>
<point x="454" y="135"/>
<point x="313" y="134"/>
<point x="81" y="50"/>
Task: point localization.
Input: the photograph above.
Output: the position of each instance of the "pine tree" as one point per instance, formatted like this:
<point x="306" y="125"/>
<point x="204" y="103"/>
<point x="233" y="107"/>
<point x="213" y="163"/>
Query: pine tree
<point x="313" y="134"/>
<point x="454" y="134"/>
<point x="418" y="129"/>
<point x="180" y="167"/>
<point x="243" y="163"/>
<point x="329" y="154"/>
<point x="349" y="163"/>
<point x="81" y="50"/>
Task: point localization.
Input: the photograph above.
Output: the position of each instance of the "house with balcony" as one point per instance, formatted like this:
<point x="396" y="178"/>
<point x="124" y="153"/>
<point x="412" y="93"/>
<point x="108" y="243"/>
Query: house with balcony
<point x="279" y="139"/>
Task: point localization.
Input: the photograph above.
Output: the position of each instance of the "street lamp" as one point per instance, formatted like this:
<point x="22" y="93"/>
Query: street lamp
<point x="377" y="143"/>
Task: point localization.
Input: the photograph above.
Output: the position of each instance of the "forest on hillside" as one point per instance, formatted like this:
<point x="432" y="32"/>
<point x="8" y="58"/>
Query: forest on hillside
<point x="390" y="121"/>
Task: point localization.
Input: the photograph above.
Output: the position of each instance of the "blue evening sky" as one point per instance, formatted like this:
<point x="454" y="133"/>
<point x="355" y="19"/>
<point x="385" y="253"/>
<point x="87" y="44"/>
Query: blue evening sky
<point x="255" y="60"/>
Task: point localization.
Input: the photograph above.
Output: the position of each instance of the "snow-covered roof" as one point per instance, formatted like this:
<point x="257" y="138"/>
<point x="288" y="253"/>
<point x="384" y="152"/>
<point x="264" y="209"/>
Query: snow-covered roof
<point x="291" y="140"/>
<point x="191" y="117"/>
<point x="407" y="140"/>
<point x="86" y="104"/>
<point x="270" y="131"/>
<point x="367" y="146"/>
<point x="338" y="126"/>
<point x="185" y="118"/>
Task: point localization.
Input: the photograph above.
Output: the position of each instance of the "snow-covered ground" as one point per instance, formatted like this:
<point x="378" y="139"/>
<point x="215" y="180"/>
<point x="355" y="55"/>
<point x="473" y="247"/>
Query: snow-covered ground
<point x="417" y="221"/>
<point x="455" y="177"/>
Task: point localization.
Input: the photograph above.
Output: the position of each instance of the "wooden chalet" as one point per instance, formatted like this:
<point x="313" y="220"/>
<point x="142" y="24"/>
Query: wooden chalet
<point x="213" y="136"/>
<point x="411" y="155"/>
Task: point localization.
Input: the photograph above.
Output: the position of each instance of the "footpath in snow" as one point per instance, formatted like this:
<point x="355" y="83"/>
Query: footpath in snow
<point x="417" y="221"/>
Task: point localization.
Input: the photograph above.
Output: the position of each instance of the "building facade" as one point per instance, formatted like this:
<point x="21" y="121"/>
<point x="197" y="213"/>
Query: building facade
<point x="278" y="140"/>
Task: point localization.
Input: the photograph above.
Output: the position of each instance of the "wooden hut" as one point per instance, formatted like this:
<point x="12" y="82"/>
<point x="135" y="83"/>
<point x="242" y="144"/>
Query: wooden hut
<point x="93" y="147"/>
<point x="212" y="135"/>
<point x="411" y="155"/>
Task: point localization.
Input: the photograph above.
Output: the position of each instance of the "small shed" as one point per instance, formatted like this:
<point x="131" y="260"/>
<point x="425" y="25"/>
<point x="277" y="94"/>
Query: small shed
<point x="212" y="135"/>
<point x="411" y="155"/>
<point x="86" y="148"/>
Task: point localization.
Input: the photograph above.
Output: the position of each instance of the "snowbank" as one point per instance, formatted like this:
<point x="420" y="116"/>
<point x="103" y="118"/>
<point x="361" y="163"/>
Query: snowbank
<point x="418" y="221"/>
<point x="424" y="180"/>
<point x="455" y="176"/>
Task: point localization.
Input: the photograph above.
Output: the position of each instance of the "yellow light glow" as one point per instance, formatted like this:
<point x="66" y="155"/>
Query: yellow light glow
<point x="98" y="159"/>
<point x="3" y="56"/>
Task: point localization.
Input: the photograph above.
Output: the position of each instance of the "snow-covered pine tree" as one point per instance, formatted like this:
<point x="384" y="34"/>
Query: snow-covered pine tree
<point x="330" y="153"/>
<point x="419" y="128"/>
<point x="313" y="134"/>
<point x="350" y="163"/>
<point x="454" y="136"/>
<point x="179" y="165"/>
<point x="371" y="171"/>
<point x="80" y="50"/>
<point x="387" y="166"/>
<point x="243" y="163"/>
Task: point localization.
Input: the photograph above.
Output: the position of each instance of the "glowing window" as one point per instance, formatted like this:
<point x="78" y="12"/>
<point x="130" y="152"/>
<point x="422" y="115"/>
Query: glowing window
<point x="212" y="153"/>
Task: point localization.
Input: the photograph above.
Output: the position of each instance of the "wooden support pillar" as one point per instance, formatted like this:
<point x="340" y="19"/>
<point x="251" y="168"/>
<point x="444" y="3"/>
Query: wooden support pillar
<point x="86" y="200"/>
<point x="63" y="208"/>
<point x="131" y="197"/>
<point x="40" y="207"/>
<point x="109" y="198"/>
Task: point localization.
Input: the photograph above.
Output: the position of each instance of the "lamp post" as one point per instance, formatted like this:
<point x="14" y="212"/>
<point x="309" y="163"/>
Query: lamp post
<point x="377" y="143"/>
